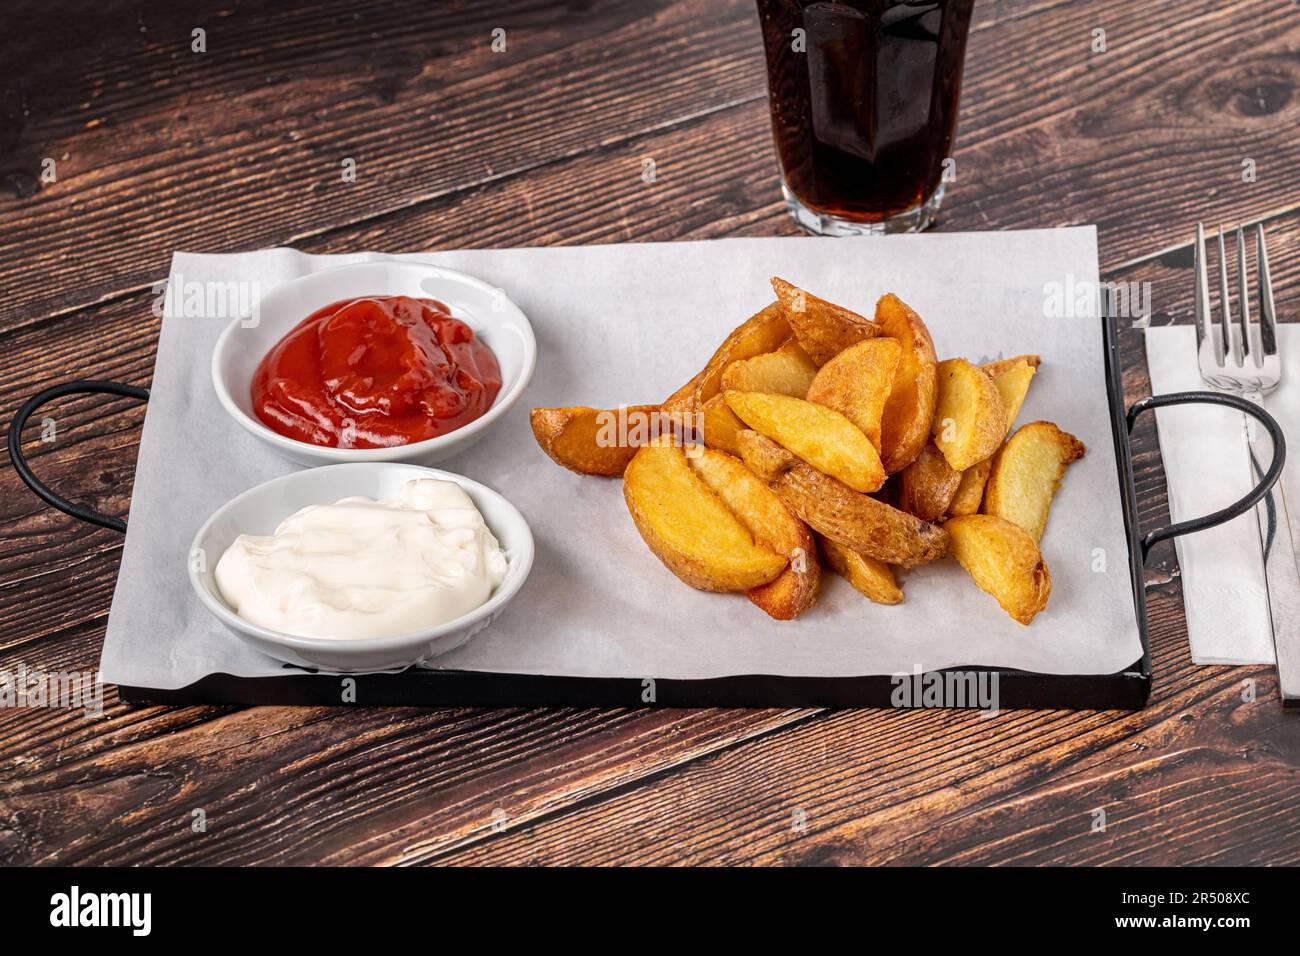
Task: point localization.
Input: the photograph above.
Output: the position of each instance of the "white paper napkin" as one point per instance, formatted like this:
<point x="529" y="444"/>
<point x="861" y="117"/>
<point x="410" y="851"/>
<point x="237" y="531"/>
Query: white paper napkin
<point x="1206" y="465"/>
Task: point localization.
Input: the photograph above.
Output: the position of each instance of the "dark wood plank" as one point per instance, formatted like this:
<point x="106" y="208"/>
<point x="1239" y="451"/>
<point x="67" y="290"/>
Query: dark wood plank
<point x="1197" y="778"/>
<point x="1169" y="111"/>
<point x="296" y="785"/>
<point x="242" y="146"/>
<point x="1142" y="139"/>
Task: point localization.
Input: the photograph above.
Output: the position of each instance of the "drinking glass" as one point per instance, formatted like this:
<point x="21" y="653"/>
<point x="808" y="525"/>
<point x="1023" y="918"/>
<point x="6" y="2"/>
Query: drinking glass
<point x="864" y="97"/>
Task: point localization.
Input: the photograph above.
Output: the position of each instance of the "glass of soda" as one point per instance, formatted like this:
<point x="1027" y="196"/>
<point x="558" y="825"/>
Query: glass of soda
<point x="864" y="97"/>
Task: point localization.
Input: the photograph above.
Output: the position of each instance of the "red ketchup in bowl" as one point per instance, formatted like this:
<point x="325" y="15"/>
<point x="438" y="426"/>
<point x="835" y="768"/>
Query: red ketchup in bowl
<point x="375" y="372"/>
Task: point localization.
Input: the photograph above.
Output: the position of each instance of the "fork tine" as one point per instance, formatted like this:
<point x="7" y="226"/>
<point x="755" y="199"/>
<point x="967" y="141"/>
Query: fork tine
<point x="1205" y="328"/>
<point x="1232" y="344"/>
<point x="1267" y="316"/>
<point x="1250" y="340"/>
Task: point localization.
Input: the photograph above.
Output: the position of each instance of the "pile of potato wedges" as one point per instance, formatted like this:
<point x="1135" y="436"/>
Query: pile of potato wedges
<point x="815" y="434"/>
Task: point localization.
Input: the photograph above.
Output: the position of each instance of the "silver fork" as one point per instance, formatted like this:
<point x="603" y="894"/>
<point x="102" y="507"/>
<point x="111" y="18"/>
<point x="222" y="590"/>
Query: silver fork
<point x="1242" y="357"/>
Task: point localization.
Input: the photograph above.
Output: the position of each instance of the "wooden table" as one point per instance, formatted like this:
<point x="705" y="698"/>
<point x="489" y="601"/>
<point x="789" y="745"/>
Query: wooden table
<point x="158" y="148"/>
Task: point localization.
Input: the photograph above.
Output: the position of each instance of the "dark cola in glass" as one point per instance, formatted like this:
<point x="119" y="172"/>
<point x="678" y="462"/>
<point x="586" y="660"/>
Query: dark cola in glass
<point x="864" y="97"/>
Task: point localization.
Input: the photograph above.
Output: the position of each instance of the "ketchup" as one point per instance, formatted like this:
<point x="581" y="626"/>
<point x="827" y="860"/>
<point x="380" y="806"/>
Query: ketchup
<point x="375" y="372"/>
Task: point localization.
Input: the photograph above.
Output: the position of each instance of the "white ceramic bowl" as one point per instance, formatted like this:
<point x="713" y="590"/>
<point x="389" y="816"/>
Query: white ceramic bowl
<point x="493" y="317"/>
<point x="260" y="510"/>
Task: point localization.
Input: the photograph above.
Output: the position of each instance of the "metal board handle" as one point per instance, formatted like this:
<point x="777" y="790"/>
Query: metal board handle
<point x="1237" y="508"/>
<point x="48" y="495"/>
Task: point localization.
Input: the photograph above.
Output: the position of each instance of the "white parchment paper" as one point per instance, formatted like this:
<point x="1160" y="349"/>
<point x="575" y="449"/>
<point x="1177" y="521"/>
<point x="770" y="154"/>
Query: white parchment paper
<point x="630" y="323"/>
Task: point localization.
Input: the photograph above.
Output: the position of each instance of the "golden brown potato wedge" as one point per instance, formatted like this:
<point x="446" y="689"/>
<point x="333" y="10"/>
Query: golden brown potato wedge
<point x="820" y="436"/>
<point x="588" y="440"/>
<point x="871" y="578"/>
<point x="905" y="422"/>
<point x="787" y="371"/>
<point x="970" y="421"/>
<point x="773" y="526"/>
<point x="970" y="493"/>
<point x="928" y="485"/>
<point x="1001" y="365"/>
<point x="857" y="382"/>
<point x="689" y="528"/>
<point x="1027" y="472"/>
<point x="684" y="398"/>
<point x="795" y="589"/>
<point x="827" y="505"/>
<point x="860" y="522"/>
<point x="824" y="431"/>
<point x="759" y="509"/>
<point x="762" y="332"/>
<point x="1012" y="382"/>
<point x="823" y="329"/>
<point x="720" y="425"/>
<point x="763" y="456"/>
<point x="1004" y="561"/>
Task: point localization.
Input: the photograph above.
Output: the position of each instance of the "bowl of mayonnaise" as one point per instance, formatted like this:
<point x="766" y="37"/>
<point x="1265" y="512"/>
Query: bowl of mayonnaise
<point x="361" y="567"/>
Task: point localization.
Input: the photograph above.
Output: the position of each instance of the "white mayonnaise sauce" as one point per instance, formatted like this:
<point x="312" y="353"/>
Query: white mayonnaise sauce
<point x="361" y="568"/>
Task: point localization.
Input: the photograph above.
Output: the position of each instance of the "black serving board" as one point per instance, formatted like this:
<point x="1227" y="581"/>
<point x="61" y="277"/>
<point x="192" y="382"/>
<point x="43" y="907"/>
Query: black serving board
<point x="1126" y="690"/>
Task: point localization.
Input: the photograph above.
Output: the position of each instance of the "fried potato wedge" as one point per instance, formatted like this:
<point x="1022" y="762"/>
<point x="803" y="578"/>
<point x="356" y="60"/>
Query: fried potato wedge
<point x="1001" y="365"/>
<point x="873" y="579"/>
<point x="720" y="425"/>
<point x="820" y="436"/>
<point x="587" y="440"/>
<point x="970" y="421"/>
<point x="1012" y="382"/>
<point x="815" y="436"/>
<point x="857" y="382"/>
<point x="823" y="329"/>
<point x="909" y="410"/>
<point x="857" y="521"/>
<point x="683" y="399"/>
<point x="1027" y="472"/>
<point x="689" y="528"/>
<point x="1004" y="561"/>
<point x="772" y="526"/>
<point x="795" y="589"/>
<point x="830" y="507"/>
<point x="762" y="332"/>
<point x="763" y="456"/>
<point x="970" y="493"/>
<point x="928" y="485"/>
<point x="787" y="371"/>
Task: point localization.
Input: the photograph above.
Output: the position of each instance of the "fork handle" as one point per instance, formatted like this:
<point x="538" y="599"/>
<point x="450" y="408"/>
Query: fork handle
<point x="1281" y="575"/>
<point x="1237" y="508"/>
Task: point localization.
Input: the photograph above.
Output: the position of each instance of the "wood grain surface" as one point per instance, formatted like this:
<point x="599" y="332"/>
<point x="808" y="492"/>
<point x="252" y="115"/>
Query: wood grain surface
<point x="158" y="148"/>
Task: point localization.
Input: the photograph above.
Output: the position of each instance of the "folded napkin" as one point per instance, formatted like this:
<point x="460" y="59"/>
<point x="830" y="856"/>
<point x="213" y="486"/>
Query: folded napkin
<point x="1207" y="468"/>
